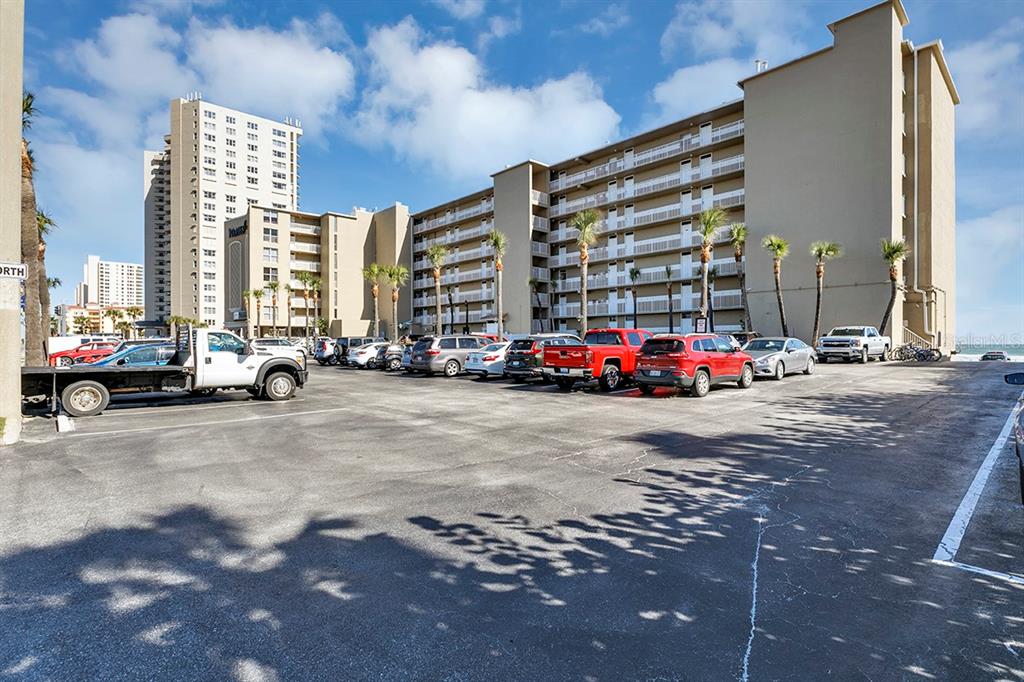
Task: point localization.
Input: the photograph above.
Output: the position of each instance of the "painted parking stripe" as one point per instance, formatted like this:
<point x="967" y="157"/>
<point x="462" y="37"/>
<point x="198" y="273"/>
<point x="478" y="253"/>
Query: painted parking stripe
<point x="950" y="543"/>
<point x="193" y="425"/>
<point x="1015" y="579"/>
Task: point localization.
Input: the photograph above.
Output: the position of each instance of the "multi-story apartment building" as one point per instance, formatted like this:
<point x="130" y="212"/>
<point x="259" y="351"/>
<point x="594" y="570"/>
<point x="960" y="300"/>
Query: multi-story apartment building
<point x="91" y="318"/>
<point x="274" y="245"/>
<point x="109" y="283"/>
<point x="853" y="144"/>
<point x="215" y="164"/>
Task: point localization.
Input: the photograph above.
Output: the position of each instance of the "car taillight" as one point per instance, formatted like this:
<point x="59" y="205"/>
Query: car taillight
<point x="433" y="351"/>
<point x="535" y="350"/>
<point x="490" y="358"/>
<point x="589" y="356"/>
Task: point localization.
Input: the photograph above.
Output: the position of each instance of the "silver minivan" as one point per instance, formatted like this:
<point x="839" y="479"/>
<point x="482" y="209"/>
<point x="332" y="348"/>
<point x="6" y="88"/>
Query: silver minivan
<point x="445" y="354"/>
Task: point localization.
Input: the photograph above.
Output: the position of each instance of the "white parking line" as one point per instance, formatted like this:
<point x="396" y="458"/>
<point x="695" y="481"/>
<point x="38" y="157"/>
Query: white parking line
<point x="1015" y="579"/>
<point x="127" y="410"/>
<point x="193" y="425"/>
<point x="950" y="543"/>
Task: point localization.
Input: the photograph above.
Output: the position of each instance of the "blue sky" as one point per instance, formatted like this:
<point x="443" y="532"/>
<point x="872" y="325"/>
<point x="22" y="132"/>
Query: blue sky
<point x="420" y="101"/>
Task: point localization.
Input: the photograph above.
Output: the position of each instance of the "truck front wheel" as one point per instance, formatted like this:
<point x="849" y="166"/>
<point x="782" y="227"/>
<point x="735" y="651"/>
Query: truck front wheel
<point x="279" y="386"/>
<point x="85" y="398"/>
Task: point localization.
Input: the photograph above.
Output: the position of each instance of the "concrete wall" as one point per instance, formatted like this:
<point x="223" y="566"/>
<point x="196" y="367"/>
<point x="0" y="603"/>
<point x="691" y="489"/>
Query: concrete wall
<point x="355" y="248"/>
<point x="393" y="245"/>
<point x="12" y="19"/>
<point x="822" y="153"/>
<point x="513" y="214"/>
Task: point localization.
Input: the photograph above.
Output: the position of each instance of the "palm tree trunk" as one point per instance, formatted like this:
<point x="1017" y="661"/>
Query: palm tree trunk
<point x="394" y="315"/>
<point x="671" y="315"/>
<point x="704" y="258"/>
<point x="892" y="301"/>
<point x="44" y="306"/>
<point x="497" y="303"/>
<point x="540" y="311"/>
<point x="778" y="295"/>
<point x="376" y="314"/>
<point x="274" y="313"/>
<point x="584" y="266"/>
<point x="741" y="273"/>
<point x="636" y="323"/>
<point x="288" y="312"/>
<point x="305" y="314"/>
<point x="34" y="352"/>
<point x="820" y="277"/>
<point x="437" y="301"/>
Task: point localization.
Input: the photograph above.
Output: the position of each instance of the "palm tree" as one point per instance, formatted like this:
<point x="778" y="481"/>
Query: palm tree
<point x="81" y="323"/>
<point x="134" y="312"/>
<point x="451" y="310"/>
<point x="374" y="273"/>
<point x="246" y="296"/>
<point x="125" y="327"/>
<point x="436" y="255"/>
<point x="738" y="239"/>
<point x="45" y="225"/>
<point x="174" y="321"/>
<point x="668" y="288"/>
<point x="821" y="251"/>
<point x="586" y="223"/>
<point x="315" y="286"/>
<point x="534" y="285"/>
<point x="397" y="276"/>
<point x="634" y="277"/>
<point x="257" y="295"/>
<point x="893" y="251"/>
<point x="288" y="308"/>
<point x="779" y="248"/>
<point x="114" y="315"/>
<point x="710" y="220"/>
<point x="497" y="240"/>
<point x="273" y="287"/>
<point x="304" y="279"/>
<point x="35" y="353"/>
<point x="712" y="276"/>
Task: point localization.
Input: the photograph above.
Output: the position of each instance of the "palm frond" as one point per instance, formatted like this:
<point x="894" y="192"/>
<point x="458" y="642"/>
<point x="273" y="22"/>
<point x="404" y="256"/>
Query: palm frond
<point x="710" y="220"/>
<point x="586" y="223"/>
<point x="775" y="244"/>
<point x="893" y="251"/>
<point x="823" y="250"/>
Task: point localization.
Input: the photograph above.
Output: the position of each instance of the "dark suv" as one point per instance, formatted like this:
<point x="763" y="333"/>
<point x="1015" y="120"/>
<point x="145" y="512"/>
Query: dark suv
<point x="525" y="357"/>
<point x="444" y="353"/>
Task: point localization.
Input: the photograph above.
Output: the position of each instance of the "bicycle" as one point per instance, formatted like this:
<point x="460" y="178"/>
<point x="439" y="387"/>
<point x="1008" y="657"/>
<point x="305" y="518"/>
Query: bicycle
<point x="909" y="351"/>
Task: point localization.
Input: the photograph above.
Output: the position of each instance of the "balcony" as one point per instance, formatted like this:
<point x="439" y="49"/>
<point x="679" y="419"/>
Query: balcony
<point x="539" y="198"/>
<point x="540" y="249"/>
<point x="303" y="228"/>
<point x="307" y="265"/>
<point x="455" y="216"/>
<point x="458" y="235"/>
<point x="541" y="224"/>
<point x="648" y="156"/>
<point x="721" y="300"/>
<point x="301" y="247"/>
<point x="456" y="299"/>
<point x="723" y="268"/>
<point x="540" y="274"/>
<point x="455" y="277"/>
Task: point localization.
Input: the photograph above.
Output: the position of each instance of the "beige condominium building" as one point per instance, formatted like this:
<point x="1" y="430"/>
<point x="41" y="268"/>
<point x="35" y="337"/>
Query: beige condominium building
<point x="109" y="283"/>
<point x="216" y="162"/>
<point x="274" y="245"/>
<point x="852" y="144"/>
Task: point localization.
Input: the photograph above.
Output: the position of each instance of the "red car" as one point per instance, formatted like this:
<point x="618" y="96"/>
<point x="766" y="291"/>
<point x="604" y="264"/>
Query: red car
<point x="89" y="352"/>
<point x="608" y="355"/>
<point x="695" y="362"/>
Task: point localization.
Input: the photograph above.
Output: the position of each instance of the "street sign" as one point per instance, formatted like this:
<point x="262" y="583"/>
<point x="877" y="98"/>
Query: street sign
<point x="12" y="270"/>
<point x="700" y="325"/>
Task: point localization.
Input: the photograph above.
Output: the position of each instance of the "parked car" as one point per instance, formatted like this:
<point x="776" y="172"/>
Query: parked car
<point x="853" y="342"/>
<point x="365" y="356"/>
<point x="524" y="358"/>
<point x="132" y="343"/>
<point x="694" y="362"/>
<point x="489" y="361"/>
<point x="777" y="356"/>
<point x="323" y="352"/>
<point x="407" y="359"/>
<point x="996" y="356"/>
<point x="86" y="353"/>
<point x="1017" y="379"/>
<point x="344" y="343"/>
<point x="266" y="341"/>
<point x="446" y="354"/>
<point x="141" y="355"/>
<point x="743" y="337"/>
<point x="608" y="355"/>
<point x="389" y="358"/>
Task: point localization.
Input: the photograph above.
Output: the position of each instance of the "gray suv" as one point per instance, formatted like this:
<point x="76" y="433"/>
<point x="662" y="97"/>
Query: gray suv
<point x="444" y="353"/>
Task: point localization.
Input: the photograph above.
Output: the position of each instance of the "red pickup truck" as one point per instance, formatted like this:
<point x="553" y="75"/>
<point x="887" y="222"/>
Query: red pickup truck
<point x="608" y="355"/>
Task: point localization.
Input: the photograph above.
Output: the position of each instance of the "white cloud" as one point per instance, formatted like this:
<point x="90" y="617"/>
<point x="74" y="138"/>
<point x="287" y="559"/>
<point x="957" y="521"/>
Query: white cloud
<point x="989" y="75"/>
<point x="990" y="281"/>
<point x="462" y="9"/>
<point x="497" y="28"/>
<point x="693" y="89"/>
<point x="719" y="27"/>
<point x="611" y="19"/>
<point x="433" y="104"/>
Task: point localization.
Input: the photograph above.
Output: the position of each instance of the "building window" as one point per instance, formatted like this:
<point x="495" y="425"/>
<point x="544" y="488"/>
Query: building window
<point x="229" y="142"/>
<point x="231" y="131"/>
<point x="209" y="114"/>
<point x="252" y="147"/>
<point x="252" y="136"/>
<point x="252" y="169"/>
<point x="280" y="176"/>
<point x="252" y="126"/>
<point x="229" y="164"/>
<point x="209" y="172"/>
<point x="230" y="176"/>
<point x="209" y="252"/>
<point x="280" y="185"/>
<point x="279" y="133"/>
<point x="252" y="181"/>
<point x="209" y="126"/>
<point x="270" y="217"/>
<point x="210" y="160"/>
<point x="230" y="119"/>
<point x="280" y="144"/>
<point x="270" y="254"/>
<point x="230" y="154"/>
<point x="251" y="201"/>
<point x="209" y="217"/>
<point x="209" y="195"/>
<point x="279" y="155"/>
<point x="209" y="287"/>
<point x="278" y="205"/>
<point x="280" y="164"/>
<point x="270" y="234"/>
<point x="209" y="138"/>
<point x="209" y="275"/>
<point x="230" y="198"/>
<point x="209" y="149"/>
<point x="209" y="207"/>
<point x="209" y="299"/>
<point x="269" y="274"/>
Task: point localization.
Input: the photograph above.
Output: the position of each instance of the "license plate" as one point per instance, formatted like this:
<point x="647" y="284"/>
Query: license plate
<point x="418" y="357"/>
<point x="654" y="372"/>
<point x="562" y="370"/>
<point x="515" y="363"/>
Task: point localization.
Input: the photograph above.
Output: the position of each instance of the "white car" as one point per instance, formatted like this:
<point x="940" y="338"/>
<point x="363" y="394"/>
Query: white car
<point x="489" y="361"/>
<point x="365" y="356"/>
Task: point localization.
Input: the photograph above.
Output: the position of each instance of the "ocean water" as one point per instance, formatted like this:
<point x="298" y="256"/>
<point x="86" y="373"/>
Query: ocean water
<point x="976" y="350"/>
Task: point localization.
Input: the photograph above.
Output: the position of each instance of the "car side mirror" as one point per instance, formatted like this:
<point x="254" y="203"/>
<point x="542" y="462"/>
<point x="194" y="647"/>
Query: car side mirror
<point x="1016" y="379"/>
<point x="245" y="349"/>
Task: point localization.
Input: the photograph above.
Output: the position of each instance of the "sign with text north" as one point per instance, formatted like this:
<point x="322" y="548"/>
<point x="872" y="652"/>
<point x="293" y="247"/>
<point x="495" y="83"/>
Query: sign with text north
<point x="12" y="270"/>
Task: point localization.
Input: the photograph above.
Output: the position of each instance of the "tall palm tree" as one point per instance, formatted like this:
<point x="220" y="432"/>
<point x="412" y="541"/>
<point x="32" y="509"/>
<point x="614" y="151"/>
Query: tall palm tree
<point x="81" y="323"/>
<point x="374" y="273"/>
<point x="288" y="308"/>
<point x="534" y="285"/>
<point x="114" y="315"/>
<point x="497" y="240"/>
<point x="822" y="251"/>
<point x="246" y="297"/>
<point x="315" y="287"/>
<point x="586" y="223"/>
<point x="779" y="248"/>
<point x="710" y="220"/>
<point x="712" y="277"/>
<point x="397" y="276"/>
<point x="451" y="310"/>
<point x="304" y="278"/>
<point x="738" y="239"/>
<point x="273" y="287"/>
<point x="668" y="288"/>
<point x="45" y="225"/>
<point x="893" y="251"/>
<point x="134" y="312"/>
<point x="125" y="327"/>
<point x="35" y="353"/>
<point x="257" y="295"/>
<point x="634" y="277"/>
<point x="174" y="321"/>
<point x="436" y="255"/>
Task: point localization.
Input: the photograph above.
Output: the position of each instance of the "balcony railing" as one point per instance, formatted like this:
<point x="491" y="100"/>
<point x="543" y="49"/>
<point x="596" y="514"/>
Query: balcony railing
<point x="454" y="216"/>
<point x="307" y="265"/>
<point x="541" y="224"/>
<point x="304" y="248"/>
<point x="540" y="274"/>
<point x="539" y="198"/>
<point x="303" y="228"/>
<point x="457" y="298"/>
<point x="539" y="249"/>
<point x="458" y="235"/>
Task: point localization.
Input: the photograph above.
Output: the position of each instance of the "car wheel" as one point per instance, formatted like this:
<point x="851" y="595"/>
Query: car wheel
<point x="746" y="377"/>
<point x="395" y="365"/>
<point x="279" y="386"/>
<point x="885" y="354"/>
<point x="65" y="361"/>
<point x="646" y="389"/>
<point x="332" y="361"/>
<point x="564" y="384"/>
<point x="610" y="379"/>
<point x="84" y="398"/>
<point x="701" y="384"/>
<point x="809" y="369"/>
<point x="780" y="370"/>
<point x="451" y="368"/>
<point x="863" y="356"/>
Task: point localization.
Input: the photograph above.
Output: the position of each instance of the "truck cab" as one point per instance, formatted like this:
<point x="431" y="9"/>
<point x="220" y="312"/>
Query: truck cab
<point x="608" y="355"/>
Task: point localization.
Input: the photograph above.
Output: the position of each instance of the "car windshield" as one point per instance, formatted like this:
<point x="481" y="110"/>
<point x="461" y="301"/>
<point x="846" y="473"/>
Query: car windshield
<point x="659" y="346"/>
<point x="602" y="339"/>
<point x="521" y="344"/>
<point x="847" y="331"/>
<point x="765" y="344"/>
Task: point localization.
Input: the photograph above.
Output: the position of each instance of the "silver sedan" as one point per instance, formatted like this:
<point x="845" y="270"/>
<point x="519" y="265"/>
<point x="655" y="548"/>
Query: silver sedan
<point x="777" y="356"/>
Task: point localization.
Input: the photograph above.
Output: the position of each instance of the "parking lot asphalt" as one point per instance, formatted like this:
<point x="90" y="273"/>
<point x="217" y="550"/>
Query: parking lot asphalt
<point x="386" y="526"/>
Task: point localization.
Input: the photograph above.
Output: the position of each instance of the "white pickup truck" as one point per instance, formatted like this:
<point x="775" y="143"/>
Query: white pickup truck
<point x="204" y="360"/>
<point x="853" y="342"/>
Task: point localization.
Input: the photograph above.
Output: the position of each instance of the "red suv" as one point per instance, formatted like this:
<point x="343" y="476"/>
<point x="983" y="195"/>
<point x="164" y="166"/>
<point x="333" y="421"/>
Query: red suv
<point x="89" y="352"/>
<point x="695" y="362"/>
